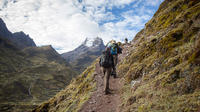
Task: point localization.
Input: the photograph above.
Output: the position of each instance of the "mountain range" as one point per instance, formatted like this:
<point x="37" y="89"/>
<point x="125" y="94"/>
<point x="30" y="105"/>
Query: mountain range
<point x="81" y="57"/>
<point x="29" y="74"/>
<point x="157" y="72"/>
<point x="19" y="39"/>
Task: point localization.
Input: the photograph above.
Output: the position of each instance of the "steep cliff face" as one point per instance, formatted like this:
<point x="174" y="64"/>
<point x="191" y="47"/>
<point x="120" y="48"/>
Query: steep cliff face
<point x="162" y="71"/>
<point x="85" y="54"/>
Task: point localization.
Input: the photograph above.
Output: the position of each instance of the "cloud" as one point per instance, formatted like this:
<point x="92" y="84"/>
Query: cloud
<point x="153" y="2"/>
<point x="66" y="23"/>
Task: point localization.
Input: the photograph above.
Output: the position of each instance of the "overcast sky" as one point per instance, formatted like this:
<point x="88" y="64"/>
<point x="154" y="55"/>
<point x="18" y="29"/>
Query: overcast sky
<point x="66" y="23"/>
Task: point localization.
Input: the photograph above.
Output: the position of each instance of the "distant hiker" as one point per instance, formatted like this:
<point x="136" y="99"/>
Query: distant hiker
<point x="107" y="63"/>
<point x="126" y="40"/>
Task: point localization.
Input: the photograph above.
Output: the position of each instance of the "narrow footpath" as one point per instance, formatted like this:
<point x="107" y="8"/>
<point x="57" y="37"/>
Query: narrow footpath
<point x="99" y="102"/>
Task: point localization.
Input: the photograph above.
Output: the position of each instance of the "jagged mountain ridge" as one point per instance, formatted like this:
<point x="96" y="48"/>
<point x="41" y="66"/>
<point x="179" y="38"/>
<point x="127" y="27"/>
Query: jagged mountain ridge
<point x="4" y="32"/>
<point x="160" y="68"/>
<point x="81" y="57"/>
<point x="29" y="75"/>
<point x="20" y="39"/>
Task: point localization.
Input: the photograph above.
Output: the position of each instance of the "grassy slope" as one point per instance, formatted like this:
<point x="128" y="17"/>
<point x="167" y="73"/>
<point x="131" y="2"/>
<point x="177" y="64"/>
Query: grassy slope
<point x="30" y="76"/>
<point x="163" y="64"/>
<point x="74" y="95"/>
<point x="83" y="62"/>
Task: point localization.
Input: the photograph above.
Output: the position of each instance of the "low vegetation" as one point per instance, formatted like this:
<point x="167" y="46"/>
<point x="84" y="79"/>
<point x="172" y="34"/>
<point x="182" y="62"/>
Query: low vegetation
<point x="30" y="76"/>
<point x="74" y="95"/>
<point x="165" y="62"/>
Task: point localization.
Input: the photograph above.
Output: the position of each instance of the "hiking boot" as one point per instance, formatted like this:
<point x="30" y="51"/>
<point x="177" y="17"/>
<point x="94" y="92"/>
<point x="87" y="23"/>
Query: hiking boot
<point x="107" y="92"/>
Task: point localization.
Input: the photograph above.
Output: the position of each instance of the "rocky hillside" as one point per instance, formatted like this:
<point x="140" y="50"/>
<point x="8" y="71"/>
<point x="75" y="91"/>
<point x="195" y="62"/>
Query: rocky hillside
<point x="162" y="71"/>
<point x="81" y="57"/>
<point x="29" y="76"/>
<point x="20" y="39"/>
<point x="159" y="69"/>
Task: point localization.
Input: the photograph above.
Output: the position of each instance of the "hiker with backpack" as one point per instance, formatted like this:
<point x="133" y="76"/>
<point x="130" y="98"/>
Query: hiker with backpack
<point x="107" y="63"/>
<point x="115" y="50"/>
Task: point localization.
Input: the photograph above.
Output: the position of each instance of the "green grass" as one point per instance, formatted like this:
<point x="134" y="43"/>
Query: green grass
<point x="31" y="76"/>
<point x="74" y="95"/>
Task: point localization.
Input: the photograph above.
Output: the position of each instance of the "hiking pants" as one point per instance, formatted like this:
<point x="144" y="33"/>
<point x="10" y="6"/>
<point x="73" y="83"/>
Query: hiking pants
<point x="115" y="58"/>
<point x="107" y="73"/>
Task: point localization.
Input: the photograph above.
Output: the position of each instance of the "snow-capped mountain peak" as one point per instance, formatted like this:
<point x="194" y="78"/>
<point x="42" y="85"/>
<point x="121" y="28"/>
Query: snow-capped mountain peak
<point x="90" y="42"/>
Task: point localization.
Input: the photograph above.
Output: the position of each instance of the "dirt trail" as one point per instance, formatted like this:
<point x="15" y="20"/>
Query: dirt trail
<point x="99" y="102"/>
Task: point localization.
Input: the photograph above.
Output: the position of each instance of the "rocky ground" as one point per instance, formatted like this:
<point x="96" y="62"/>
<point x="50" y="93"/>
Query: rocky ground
<point x="99" y="102"/>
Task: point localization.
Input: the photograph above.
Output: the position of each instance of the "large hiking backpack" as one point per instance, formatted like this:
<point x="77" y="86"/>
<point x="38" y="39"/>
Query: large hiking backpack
<point x="106" y="60"/>
<point x="113" y="49"/>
